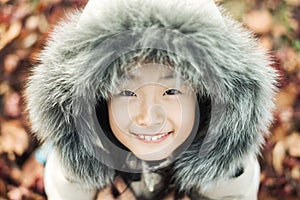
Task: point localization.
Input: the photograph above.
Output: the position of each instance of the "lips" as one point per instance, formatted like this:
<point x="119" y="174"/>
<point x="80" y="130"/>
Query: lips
<point x="153" y="137"/>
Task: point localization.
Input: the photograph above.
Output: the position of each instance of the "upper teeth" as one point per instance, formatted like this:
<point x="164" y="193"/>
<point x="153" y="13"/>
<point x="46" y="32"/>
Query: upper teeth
<point x="153" y="138"/>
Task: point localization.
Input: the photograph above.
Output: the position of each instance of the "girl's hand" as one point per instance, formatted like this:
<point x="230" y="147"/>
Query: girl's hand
<point x="122" y="188"/>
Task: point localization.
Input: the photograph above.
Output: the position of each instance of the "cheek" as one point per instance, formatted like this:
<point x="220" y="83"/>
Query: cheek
<point x="188" y="111"/>
<point x="118" y="115"/>
<point x="181" y="112"/>
<point x="173" y="110"/>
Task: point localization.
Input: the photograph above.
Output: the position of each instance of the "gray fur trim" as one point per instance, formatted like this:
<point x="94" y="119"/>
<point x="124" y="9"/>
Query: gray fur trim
<point x="232" y="70"/>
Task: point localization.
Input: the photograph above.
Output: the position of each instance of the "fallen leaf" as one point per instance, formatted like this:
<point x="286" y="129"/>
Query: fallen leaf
<point x="278" y="30"/>
<point x="280" y="132"/>
<point x="18" y="193"/>
<point x="12" y="103"/>
<point x="279" y="153"/>
<point x="266" y="42"/>
<point x="293" y="144"/>
<point x="4" y="87"/>
<point x="11" y="62"/>
<point x="289" y="162"/>
<point x="6" y="14"/>
<point x="4" y="167"/>
<point x="13" y="32"/>
<point x="13" y="137"/>
<point x="43" y="25"/>
<point x="260" y="21"/>
<point x="287" y="96"/>
<point x="32" y="22"/>
<point x="32" y="171"/>
<point x="294" y="3"/>
<point x="20" y="12"/>
<point x="23" y="53"/>
<point x="295" y="173"/>
<point x="294" y="24"/>
<point x="291" y="61"/>
<point x="4" y="1"/>
<point x="15" y="174"/>
<point x="3" y="28"/>
<point x="30" y="40"/>
<point x="266" y="196"/>
<point x="288" y="189"/>
<point x="2" y="187"/>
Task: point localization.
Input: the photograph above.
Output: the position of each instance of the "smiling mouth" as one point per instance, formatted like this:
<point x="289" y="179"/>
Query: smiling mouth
<point x="152" y="138"/>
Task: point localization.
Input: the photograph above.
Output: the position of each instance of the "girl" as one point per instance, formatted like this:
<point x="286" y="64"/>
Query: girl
<point x="151" y="100"/>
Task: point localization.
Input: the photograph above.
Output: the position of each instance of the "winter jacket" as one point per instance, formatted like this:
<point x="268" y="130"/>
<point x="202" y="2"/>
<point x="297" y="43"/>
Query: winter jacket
<point x="223" y="61"/>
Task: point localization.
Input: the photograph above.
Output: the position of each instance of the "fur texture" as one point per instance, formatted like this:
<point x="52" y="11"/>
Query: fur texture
<point x="228" y="65"/>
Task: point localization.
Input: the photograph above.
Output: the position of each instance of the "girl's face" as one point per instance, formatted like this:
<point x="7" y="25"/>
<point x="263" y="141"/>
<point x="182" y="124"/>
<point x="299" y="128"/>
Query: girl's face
<point x="152" y="112"/>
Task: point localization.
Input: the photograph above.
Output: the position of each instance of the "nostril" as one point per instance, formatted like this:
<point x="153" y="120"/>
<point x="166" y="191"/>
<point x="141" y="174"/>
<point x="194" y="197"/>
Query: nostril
<point x="143" y="119"/>
<point x="152" y="115"/>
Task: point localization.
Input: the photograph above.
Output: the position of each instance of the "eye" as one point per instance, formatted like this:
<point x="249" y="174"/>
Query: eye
<point x="172" y="92"/>
<point x="127" y="93"/>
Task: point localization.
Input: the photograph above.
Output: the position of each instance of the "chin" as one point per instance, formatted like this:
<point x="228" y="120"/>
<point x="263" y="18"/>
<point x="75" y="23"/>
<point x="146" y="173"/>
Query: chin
<point x="153" y="156"/>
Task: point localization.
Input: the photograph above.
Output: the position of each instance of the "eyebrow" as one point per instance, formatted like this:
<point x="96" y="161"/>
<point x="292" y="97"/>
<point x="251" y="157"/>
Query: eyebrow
<point x="167" y="77"/>
<point x="164" y="77"/>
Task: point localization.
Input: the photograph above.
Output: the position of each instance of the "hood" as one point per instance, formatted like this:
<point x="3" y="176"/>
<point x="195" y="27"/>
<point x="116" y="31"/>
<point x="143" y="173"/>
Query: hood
<point x="224" y="62"/>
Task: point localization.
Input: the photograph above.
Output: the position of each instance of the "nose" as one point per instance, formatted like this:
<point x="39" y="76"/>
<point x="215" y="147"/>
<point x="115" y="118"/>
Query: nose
<point x="150" y="113"/>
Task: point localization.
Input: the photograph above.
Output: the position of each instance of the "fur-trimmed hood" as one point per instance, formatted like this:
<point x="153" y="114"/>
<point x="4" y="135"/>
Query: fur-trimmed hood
<point x="225" y="61"/>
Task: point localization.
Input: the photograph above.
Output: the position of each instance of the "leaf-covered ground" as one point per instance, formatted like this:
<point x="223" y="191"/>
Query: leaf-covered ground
<point x="26" y="24"/>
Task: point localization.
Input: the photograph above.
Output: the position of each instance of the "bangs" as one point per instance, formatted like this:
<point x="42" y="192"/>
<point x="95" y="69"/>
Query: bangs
<point x="119" y="70"/>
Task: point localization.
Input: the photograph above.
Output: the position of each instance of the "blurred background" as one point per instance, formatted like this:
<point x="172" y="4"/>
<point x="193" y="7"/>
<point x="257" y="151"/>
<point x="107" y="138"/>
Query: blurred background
<point x="25" y="25"/>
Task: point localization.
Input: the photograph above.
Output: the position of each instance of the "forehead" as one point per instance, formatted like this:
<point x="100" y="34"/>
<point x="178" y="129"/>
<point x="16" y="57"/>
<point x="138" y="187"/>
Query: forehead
<point x="149" y="72"/>
<point x="137" y="74"/>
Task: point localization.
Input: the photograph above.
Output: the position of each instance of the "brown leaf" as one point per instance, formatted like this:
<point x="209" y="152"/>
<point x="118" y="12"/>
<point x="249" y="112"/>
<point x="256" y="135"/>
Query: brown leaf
<point x="278" y="156"/>
<point x="287" y="96"/>
<point x="279" y="30"/>
<point x="289" y="162"/>
<point x="4" y="1"/>
<point x="32" y="171"/>
<point x="260" y="21"/>
<point x="13" y="32"/>
<point x="3" y="28"/>
<point x="266" y="196"/>
<point x="4" y="87"/>
<point x="2" y="187"/>
<point x="293" y="144"/>
<point x="295" y="173"/>
<point x="43" y="25"/>
<point x="10" y="63"/>
<point x="294" y="3"/>
<point x="290" y="64"/>
<point x="13" y="137"/>
<point x="6" y="14"/>
<point x="266" y="42"/>
<point x="21" y="11"/>
<point x="12" y="105"/>
<point x="30" y="40"/>
<point x="288" y="189"/>
<point x="32" y="22"/>
<point x="280" y="132"/>
<point x="18" y="193"/>
<point x="15" y="174"/>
